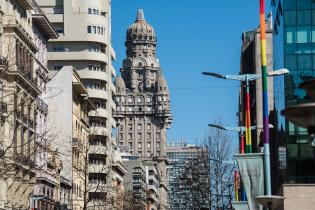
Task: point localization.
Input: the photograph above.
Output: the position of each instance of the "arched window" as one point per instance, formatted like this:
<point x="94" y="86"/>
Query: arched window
<point x="140" y="64"/>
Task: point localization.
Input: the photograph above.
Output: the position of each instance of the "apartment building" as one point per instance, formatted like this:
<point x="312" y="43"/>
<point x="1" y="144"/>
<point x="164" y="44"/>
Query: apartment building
<point x="84" y="29"/>
<point x="24" y="32"/>
<point x="188" y="176"/>
<point x="153" y="183"/>
<point x="135" y="184"/>
<point x="68" y="120"/>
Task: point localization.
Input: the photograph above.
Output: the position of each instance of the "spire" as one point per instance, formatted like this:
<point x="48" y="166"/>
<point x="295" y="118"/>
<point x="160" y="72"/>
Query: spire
<point x="140" y="15"/>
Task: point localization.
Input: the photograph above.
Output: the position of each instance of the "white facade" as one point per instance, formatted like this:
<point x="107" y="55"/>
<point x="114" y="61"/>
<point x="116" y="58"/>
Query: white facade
<point x="84" y="42"/>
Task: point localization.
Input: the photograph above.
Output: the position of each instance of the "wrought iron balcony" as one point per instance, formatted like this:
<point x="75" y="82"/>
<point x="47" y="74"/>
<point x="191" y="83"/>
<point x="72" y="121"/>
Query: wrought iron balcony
<point x="76" y="144"/>
<point x="42" y="105"/>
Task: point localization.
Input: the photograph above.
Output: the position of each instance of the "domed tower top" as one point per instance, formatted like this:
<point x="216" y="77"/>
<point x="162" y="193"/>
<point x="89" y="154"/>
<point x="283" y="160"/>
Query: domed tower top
<point x="140" y="30"/>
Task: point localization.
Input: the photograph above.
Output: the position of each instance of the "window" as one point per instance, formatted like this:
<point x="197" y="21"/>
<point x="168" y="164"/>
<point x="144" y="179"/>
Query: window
<point x="149" y="126"/>
<point x="139" y="136"/>
<point x="139" y="145"/>
<point x="89" y="11"/>
<point x="60" y="30"/>
<point x="130" y="127"/>
<point x="94" y="29"/>
<point x="89" y="29"/>
<point x="130" y="100"/>
<point x="139" y="127"/>
<point x="149" y="145"/>
<point x="58" y="49"/>
<point x="290" y="18"/>
<point x="57" y="67"/>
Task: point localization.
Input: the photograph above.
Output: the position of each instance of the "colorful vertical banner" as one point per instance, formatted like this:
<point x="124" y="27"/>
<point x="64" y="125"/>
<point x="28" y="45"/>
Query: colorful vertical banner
<point x="251" y="169"/>
<point x="248" y="148"/>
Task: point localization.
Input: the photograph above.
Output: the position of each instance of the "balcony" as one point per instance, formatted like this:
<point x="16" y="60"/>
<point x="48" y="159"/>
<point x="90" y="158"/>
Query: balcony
<point x="100" y="131"/>
<point x="100" y="112"/>
<point x="26" y="4"/>
<point x="97" y="149"/>
<point x="25" y="33"/>
<point x="76" y="144"/>
<point x="55" y="18"/>
<point x="153" y="197"/>
<point x="42" y="105"/>
<point x="97" y="93"/>
<point x="98" y="187"/>
<point x="79" y="55"/>
<point x="99" y="168"/>
<point x="154" y="188"/>
<point x="92" y="74"/>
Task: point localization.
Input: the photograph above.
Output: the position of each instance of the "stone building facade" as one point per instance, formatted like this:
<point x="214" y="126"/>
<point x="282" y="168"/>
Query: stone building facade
<point x="142" y="97"/>
<point x="24" y="32"/>
<point x="84" y="42"/>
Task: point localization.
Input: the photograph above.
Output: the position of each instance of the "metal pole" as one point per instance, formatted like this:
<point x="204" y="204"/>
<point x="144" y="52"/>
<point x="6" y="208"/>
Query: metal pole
<point x="265" y="97"/>
<point x="248" y="147"/>
<point x="242" y="144"/>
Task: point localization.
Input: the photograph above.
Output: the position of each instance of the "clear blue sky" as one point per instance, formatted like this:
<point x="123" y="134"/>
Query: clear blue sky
<point x="193" y="36"/>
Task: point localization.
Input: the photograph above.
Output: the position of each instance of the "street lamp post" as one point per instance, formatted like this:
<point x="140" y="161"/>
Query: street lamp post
<point x="268" y="200"/>
<point x="246" y="78"/>
<point x="239" y="129"/>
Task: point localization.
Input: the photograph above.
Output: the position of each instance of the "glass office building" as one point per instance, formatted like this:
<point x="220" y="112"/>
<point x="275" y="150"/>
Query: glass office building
<point x="188" y="174"/>
<point x="294" y="49"/>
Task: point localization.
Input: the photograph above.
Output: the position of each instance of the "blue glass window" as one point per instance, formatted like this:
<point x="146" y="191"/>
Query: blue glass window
<point x="290" y="48"/>
<point x="304" y="4"/>
<point x="304" y="49"/>
<point x="289" y="5"/>
<point x="303" y="34"/>
<point x="291" y="62"/>
<point x="290" y="35"/>
<point x="304" y="62"/>
<point x="304" y="17"/>
<point x="290" y="18"/>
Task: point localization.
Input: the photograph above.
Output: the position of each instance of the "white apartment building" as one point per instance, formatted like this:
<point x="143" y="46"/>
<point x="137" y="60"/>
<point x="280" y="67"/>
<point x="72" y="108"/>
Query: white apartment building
<point x="84" y="29"/>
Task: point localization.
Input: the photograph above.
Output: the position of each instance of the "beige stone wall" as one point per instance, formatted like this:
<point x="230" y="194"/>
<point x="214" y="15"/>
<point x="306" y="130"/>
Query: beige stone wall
<point x="298" y="197"/>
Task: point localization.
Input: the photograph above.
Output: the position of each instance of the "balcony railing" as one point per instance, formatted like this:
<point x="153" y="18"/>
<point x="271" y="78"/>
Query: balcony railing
<point x="42" y="105"/>
<point x="77" y="144"/>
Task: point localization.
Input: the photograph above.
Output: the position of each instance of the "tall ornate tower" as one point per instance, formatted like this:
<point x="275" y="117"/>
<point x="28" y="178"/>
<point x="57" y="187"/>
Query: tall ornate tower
<point x="142" y="96"/>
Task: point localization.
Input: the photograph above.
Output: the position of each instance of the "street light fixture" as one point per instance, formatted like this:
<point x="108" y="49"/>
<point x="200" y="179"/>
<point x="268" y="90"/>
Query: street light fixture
<point x="239" y="129"/>
<point x="246" y="78"/>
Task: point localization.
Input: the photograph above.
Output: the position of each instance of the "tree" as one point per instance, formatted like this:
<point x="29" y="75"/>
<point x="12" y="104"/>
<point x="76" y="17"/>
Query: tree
<point x="221" y="151"/>
<point x="21" y="140"/>
<point x="89" y="163"/>
<point x="208" y="172"/>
